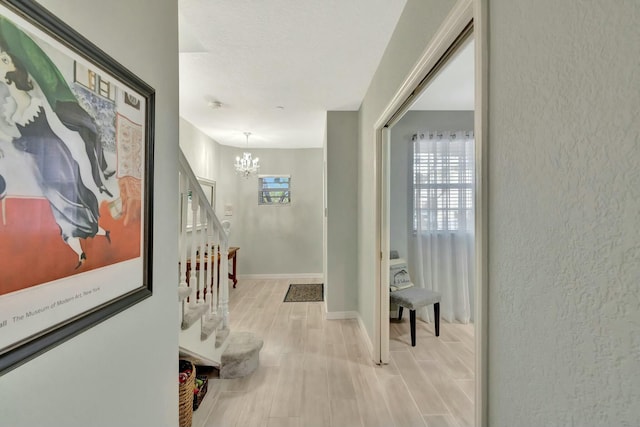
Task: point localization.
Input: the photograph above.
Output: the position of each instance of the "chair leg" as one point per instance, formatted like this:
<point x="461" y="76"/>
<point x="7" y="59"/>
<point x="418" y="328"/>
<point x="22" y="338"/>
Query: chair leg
<point x="436" y="312"/>
<point x="412" y="318"/>
<point x="399" y="312"/>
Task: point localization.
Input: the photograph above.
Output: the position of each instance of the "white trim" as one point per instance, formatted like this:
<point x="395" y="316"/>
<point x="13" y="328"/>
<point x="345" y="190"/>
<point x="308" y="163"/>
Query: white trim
<point x="383" y="355"/>
<point x="281" y="276"/>
<point x="196" y="358"/>
<point x="341" y="315"/>
<point x="481" y="133"/>
<point x="463" y="12"/>
<point x="459" y="17"/>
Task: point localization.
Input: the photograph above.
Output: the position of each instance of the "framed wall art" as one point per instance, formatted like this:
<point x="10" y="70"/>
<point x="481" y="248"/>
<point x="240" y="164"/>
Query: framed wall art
<point x="76" y="169"/>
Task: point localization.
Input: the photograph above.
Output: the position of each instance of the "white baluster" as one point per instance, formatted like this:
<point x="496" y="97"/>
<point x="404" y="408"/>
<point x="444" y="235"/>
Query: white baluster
<point x="204" y="259"/>
<point x="203" y="249"/>
<point x="208" y="289"/>
<point x="193" y="280"/>
<point x="210" y="267"/>
<point x="182" y="270"/>
<point x="224" y="283"/>
<point x="216" y="274"/>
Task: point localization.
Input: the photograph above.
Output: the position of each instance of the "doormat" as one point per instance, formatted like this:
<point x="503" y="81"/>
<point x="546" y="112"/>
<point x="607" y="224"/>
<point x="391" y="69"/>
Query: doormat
<point x="305" y="292"/>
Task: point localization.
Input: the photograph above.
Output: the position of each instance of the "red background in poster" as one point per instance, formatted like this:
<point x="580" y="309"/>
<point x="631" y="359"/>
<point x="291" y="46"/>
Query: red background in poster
<point x="32" y="251"/>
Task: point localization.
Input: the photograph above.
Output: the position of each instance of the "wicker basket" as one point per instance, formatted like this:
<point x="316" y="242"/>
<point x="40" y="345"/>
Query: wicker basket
<point x="185" y="397"/>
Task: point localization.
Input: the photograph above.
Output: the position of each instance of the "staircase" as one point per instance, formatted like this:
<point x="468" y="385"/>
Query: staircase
<point x="203" y="286"/>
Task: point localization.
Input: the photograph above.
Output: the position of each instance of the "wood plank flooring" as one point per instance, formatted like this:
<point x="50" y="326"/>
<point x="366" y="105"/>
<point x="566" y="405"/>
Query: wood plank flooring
<point x="317" y="373"/>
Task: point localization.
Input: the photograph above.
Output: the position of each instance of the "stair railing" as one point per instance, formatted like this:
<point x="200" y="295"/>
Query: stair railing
<point x="203" y="252"/>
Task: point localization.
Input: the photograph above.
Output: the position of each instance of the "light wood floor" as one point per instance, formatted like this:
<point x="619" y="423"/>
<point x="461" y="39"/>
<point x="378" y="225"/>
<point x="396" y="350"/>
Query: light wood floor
<point x="317" y="372"/>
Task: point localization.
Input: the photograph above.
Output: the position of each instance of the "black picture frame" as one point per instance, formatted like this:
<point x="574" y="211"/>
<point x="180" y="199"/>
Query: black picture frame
<point x="42" y="335"/>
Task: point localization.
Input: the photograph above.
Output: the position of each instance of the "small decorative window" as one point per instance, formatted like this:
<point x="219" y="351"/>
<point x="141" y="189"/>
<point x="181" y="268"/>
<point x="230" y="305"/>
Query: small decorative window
<point x="93" y="81"/>
<point x="274" y="189"/>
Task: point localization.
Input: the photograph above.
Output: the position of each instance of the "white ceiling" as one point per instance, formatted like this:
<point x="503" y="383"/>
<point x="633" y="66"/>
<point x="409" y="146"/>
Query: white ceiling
<point x="252" y="56"/>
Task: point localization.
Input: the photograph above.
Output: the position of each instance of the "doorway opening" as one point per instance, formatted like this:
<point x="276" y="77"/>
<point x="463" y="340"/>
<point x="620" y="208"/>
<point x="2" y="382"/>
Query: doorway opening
<point x="431" y="221"/>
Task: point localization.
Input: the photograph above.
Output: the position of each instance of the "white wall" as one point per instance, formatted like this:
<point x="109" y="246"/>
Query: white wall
<point x="564" y="203"/>
<point x="342" y="209"/>
<point x="417" y="24"/>
<point x="325" y="228"/>
<point x="275" y="240"/>
<point x="123" y="371"/>
<point x="201" y="151"/>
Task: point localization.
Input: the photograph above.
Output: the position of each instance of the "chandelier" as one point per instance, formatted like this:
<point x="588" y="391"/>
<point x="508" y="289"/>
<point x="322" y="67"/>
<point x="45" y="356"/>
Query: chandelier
<point x="245" y="166"/>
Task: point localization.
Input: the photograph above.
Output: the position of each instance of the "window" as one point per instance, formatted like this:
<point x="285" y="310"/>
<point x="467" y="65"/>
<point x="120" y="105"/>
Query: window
<point x="274" y="189"/>
<point x="93" y="81"/>
<point x="443" y="179"/>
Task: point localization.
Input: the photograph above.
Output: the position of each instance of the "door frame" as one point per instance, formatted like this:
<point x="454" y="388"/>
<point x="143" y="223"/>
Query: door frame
<point x="463" y="14"/>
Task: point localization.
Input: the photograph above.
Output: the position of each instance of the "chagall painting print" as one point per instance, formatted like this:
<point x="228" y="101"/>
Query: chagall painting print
<point x="76" y="140"/>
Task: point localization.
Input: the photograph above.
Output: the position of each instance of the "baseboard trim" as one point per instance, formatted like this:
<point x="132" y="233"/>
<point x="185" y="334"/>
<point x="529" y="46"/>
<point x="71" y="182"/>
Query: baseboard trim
<point x="281" y="276"/>
<point x="341" y="315"/>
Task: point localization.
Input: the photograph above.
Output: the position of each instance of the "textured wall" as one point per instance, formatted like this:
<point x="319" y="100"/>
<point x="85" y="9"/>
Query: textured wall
<point x="121" y="372"/>
<point x="564" y="208"/>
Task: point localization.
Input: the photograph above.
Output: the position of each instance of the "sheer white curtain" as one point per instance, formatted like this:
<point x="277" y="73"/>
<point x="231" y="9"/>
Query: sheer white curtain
<point x="443" y="220"/>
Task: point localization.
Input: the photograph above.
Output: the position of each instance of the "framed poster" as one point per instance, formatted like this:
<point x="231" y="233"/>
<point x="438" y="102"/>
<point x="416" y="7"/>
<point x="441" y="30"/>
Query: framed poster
<point x="76" y="168"/>
<point x="209" y="188"/>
